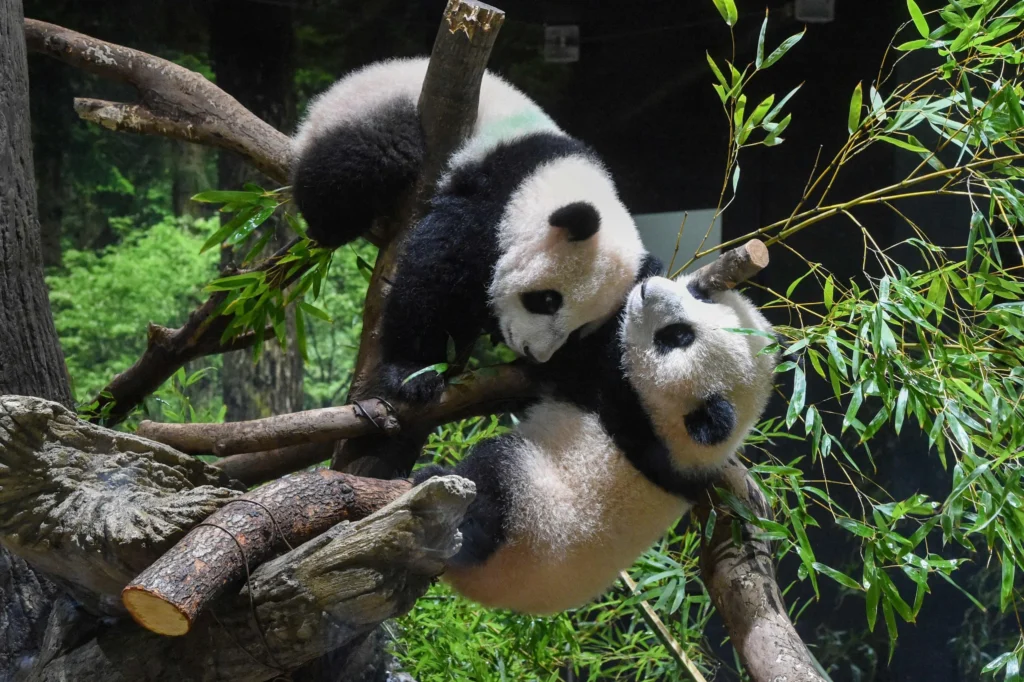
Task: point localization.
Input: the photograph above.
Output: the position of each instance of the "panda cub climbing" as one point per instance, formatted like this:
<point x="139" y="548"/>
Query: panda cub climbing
<point x="525" y="237"/>
<point x="643" y="414"/>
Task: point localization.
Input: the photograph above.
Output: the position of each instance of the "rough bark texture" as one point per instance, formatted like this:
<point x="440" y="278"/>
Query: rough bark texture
<point x="253" y="59"/>
<point x="448" y="106"/>
<point x="741" y="581"/>
<point x="324" y="596"/>
<point x="98" y="506"/>
<point x="31" y="361"/>
<point x="92" y="506"/>
<point x="191" y="107"/>
<point x="169" y="595"/>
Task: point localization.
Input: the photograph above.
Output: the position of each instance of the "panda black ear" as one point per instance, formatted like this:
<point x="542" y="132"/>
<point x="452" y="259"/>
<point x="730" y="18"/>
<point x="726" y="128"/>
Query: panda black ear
<point x="713" y="422"/>
<point x="579" y="218"/>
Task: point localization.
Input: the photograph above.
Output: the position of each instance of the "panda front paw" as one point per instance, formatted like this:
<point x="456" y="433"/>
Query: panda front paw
<point x="419" y="389"/>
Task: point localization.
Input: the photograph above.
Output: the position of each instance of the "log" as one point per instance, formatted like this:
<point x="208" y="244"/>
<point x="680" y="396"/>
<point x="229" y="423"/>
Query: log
<point x="93" y="507"/>
<point x="215" y="556"/>
<point x="740" y="577"/>
<point x="733" y="267"/>
<point x="324" y="596"/>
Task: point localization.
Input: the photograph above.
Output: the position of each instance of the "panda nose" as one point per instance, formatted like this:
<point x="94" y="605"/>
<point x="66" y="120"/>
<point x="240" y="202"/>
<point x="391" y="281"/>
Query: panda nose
<point x="643" y="289"/>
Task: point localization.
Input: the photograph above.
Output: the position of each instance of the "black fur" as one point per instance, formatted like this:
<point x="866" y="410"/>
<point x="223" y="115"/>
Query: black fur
<point x="488" y="465"/>
<point x="588" y="373"/>
<point x="580" y="218"/>
<point x="447" y="263"/>
<point x="354" y="174"/>
<point x="713" y="422"/>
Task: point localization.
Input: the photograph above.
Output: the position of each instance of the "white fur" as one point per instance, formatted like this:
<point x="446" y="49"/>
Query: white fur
<point x="581" y="513"/>
<point x="592" y="275"/>
<point x="504" y="111"/>
<point x="719" y="361"/>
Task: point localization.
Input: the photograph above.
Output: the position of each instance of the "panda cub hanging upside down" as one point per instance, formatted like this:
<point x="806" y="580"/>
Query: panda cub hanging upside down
<point x="524" y="238"/>
<point x="643" y="414"/>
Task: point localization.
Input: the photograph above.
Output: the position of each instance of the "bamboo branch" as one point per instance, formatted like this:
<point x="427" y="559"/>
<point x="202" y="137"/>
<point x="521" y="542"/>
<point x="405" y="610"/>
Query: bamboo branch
<point x="733" y="266"/>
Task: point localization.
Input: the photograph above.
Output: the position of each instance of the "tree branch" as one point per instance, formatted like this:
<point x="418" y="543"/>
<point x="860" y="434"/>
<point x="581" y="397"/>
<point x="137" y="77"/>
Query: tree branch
<point x="447" y="106"/>
<point x="741" y="581"/>
<point x="174" y="101"/>
<point x="168" y="596"/>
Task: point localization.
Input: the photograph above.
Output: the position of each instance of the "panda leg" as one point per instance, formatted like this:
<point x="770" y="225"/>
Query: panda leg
<point x="490" y="466"/>
<point x="349" y="175"/>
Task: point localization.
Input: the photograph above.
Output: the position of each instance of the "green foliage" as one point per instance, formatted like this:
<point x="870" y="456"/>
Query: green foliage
<point x="102" y="302"/>
<point x="933" y="343"/>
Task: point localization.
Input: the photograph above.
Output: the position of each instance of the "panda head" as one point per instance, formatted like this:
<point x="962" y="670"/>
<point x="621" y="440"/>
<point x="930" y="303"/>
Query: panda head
<point x="703" y="386"/>
<point x="568" y="251"/>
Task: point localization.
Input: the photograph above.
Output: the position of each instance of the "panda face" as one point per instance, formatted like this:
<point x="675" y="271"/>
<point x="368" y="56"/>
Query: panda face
<point x="703" y="386"/>
<point x="569" y="253"/>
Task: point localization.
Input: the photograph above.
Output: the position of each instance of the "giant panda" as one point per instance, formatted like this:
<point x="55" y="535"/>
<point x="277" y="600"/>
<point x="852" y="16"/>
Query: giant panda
<point x="524" y="238"/>
<point x="643" y="416"/>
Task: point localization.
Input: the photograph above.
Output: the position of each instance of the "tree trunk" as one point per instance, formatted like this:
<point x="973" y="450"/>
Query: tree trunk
<point x="50" y="92"/>
<point x="252" y="53"/>
<point x="31" y="361"/>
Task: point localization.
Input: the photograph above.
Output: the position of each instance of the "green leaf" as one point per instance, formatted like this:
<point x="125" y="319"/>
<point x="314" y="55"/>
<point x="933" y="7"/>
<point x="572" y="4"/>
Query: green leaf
<point x="841" y="578"/>
<point x="796" y="403"/>
<point x="782" y="49"/>
<point x="439" y="368"/>
<point x="1006" y="589"/>
<point x="856" y="102"/>
<point x="901" y="409"/>
<point x="228" y="228"/>
<point x="234" y="281"/>
<point x="224" y="197"/>
<point x="727" y="8"/>
<point x="311" y="309"/>
<point x="773" y="138"/>
<point x="903" y="144"/>
<point x="759" y="58"/>
<point x="912" y="45"/>
<point x="919" y="21"/>
<point x="249" y="225"/>
<point x="718" y="72"/>
<point x="829" y="293"/>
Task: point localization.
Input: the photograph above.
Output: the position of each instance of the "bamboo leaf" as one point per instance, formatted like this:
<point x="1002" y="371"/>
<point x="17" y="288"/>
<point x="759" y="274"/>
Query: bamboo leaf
<point x="782" y="49"/>
<point x="918" y="17"/>
<point x="727" y="8"/>
<point x="856" y="102"/>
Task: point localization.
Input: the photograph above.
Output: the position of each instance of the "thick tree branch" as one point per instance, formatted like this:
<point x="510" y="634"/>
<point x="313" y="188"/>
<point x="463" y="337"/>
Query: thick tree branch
<point x="741" y="581"/>
<point x="265" y="465"/>
<point x="168" y="596"/>
<point x="448" y="108"/>
<point x="477" y="394"/>
<point x="174" y="101"/>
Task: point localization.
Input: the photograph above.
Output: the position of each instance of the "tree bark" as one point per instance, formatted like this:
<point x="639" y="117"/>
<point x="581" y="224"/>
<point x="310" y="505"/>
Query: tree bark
<point x="30" y="356"/>
<point x="96" y="507"/>
<point x="252" y="53"/>
<point x="31" y="361"/>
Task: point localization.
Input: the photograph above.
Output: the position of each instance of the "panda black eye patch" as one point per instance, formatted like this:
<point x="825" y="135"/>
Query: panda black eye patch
<point x="678" y="335"/>
<point x="546" y="302"/>
<point x="699" y="291"/>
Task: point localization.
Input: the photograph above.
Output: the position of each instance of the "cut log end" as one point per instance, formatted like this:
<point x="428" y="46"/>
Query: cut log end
<point x="734" y="266"/>
<point x="155" y="613"/>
